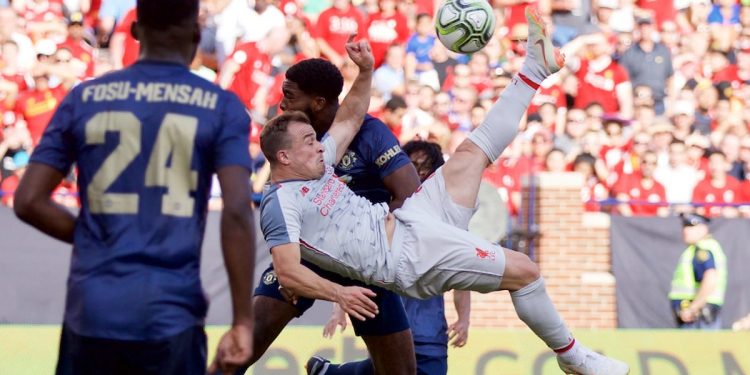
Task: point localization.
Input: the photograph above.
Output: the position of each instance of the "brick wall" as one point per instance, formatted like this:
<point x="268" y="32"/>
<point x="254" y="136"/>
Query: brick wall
<point x="573" y="254"/>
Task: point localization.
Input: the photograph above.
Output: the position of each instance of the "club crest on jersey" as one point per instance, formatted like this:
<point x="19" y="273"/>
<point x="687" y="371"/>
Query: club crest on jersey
<point x="348" y="160"/>
<point x="485" y="254"/>
<point x="269" y="278"/>
<point x="304" y="190"/>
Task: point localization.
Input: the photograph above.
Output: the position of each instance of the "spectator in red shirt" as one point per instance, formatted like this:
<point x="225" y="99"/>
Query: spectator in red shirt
<point x="639" y="193"/>
<point x="514" y="11"/>
<point x="661" y="10"/>
<point x="718" y="188"/>
<point x="393" y="114"/>
<point x="42" y="16"/>
<point x="247" y="72"/>
<point x="335" y="24"/>
<point x="696" y="154"/>
<point x="600" y="79"/>
<point x="123" y="46"/>
<point x="385" y="28"/>
<point x="593" y="189"/>
<point x="505" y="175"/>
<point x="80" y="50"/>
<point x="36" y="106"/>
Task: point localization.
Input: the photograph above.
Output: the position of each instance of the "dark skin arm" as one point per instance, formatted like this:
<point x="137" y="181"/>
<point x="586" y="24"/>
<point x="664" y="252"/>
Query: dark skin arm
<point x="238" y="248"/>
<point x="402" y="183"/>
<point x="33" y="203"/>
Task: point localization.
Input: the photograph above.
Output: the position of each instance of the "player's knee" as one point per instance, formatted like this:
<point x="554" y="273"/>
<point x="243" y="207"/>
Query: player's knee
<point x="529" y="271"/>
<point x="523" y="270"/>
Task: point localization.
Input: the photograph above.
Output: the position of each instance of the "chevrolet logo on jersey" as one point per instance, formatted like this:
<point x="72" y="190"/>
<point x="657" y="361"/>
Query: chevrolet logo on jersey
<point x="348" y="160"/>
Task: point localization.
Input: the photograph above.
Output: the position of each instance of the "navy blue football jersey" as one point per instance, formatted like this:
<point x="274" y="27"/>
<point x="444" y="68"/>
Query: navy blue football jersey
<point x="146" y="141"/>
<point x="373" y="155"/>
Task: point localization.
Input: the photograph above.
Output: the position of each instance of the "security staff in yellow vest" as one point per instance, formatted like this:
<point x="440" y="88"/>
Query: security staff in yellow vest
<point x="700" y="279"/>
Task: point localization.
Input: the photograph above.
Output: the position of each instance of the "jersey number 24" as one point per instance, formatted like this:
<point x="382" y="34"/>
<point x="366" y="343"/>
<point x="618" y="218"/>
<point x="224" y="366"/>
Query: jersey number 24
<point x="176" y="138"/>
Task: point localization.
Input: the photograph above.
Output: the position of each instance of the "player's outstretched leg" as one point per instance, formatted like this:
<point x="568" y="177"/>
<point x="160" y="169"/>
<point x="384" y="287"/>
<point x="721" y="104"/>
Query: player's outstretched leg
<point x="463" y="171"/>
<point x="535" y="308"/>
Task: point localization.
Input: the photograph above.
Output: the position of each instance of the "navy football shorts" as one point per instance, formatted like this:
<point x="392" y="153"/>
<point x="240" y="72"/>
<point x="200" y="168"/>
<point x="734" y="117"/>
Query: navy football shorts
<point x="183" y="353"/>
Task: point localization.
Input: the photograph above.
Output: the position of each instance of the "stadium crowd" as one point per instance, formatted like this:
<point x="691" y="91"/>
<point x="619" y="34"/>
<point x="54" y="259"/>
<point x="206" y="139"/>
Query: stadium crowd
<point x="652" y="107"/>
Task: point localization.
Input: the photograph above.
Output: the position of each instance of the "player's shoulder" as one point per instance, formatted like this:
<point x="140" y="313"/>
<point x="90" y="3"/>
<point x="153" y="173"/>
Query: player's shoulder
<point x="373" y="126"/>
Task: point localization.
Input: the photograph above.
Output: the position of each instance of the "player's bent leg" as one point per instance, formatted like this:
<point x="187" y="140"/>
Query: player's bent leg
<point x="392" y="353"/>
<point x="500" y="126"/>
<point x="535" y="308"/>
<point x="463" y="173"/>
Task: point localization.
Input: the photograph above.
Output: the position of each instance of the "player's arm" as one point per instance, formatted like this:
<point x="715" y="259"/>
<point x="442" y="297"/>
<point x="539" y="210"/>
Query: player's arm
<point x="50" y="162"/>
<point x="238" y="248"/>
<point x="237" y="238"/>
<point x="301" y="281"/>
<point x="33" y="202"/>
<point x="459" y="331"/>
<point x="354" y="107"/>
<point x="402" y="183"/>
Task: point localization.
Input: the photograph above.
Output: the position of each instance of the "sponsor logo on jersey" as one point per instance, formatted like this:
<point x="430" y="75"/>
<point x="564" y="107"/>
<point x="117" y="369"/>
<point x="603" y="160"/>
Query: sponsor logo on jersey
<point x="304" y="190"/>
<point x="387" y="155"/>
<point x="269" y="278"/>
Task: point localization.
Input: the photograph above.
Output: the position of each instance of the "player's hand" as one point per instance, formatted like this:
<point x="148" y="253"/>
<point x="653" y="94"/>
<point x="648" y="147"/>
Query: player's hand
<point x="458" y="332"/>
<point x="288" y="295"/>
<point x="338" y="318"/>
<point x="357" y="302"/>
<point x="234" y="350"/>
<point x="360" y="53"/>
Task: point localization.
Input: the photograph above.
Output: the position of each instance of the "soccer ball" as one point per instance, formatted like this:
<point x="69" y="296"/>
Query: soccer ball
<point x="465" y="26"/>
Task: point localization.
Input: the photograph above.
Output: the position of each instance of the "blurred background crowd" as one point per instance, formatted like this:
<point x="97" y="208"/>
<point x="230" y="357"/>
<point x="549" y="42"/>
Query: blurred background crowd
<point x="652" y="107"/>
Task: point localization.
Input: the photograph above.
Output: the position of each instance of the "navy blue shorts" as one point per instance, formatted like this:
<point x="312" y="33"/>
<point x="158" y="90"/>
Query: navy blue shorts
<point x="184" y="353"/>
<point x="390" y="319"/>
<point x="432" y="365"/>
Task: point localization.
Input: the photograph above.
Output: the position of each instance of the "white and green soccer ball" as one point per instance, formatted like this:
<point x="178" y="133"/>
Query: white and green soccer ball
<point x="465" y="26"/>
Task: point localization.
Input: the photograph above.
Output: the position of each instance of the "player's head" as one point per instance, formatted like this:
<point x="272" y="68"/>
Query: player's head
<point x="312" y="86"/>
<point x="427" y="157"/>
<point x="694" y="227"/>
<point x="290" y="144"/>
<point x="167" y="27"/>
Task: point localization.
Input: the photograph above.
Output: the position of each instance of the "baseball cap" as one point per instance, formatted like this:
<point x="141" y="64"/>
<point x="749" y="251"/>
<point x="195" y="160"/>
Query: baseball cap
<point x="698" y="140"/>
<point x="692" y="219"/>
<point x="75" y="18"/>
